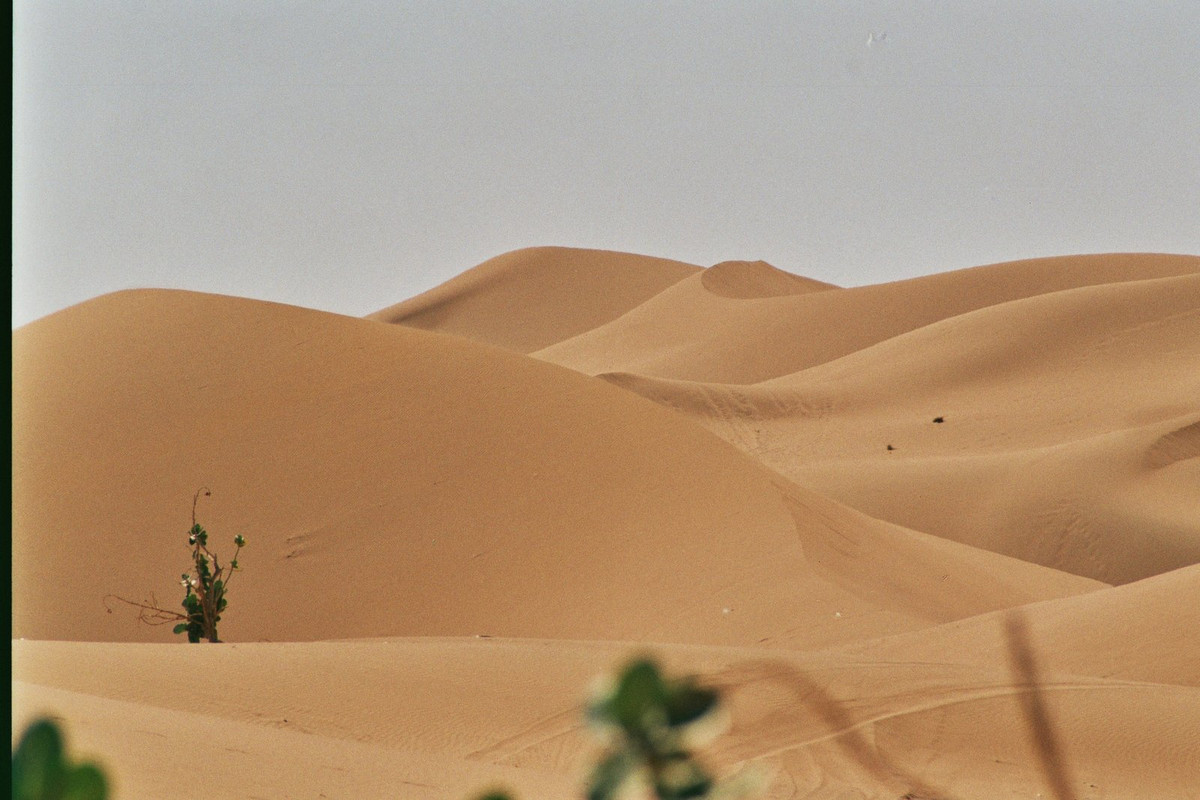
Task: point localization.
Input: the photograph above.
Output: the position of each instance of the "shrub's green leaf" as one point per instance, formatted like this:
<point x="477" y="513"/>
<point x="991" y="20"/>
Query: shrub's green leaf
<point x="37" y="764"/>
<point x="85" y="782"/>
<point x="687" y="703"/>
<point x="609" y="775"/>
<point x="640" y="693"/>
<point x="180" y="628"/>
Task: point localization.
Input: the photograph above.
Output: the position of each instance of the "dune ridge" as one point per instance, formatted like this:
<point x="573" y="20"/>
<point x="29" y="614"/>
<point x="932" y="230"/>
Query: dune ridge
<point x="530" y="298"/>
<point x="688" y="333"/>
<point x="932" y="539"/>
<point x="752" y="280"/>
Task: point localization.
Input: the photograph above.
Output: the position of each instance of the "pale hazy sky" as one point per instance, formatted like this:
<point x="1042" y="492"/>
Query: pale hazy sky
<point x="347" y="155"/>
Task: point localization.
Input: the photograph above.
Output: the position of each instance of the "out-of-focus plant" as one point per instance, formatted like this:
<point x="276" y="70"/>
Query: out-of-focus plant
<point x="650" y="725"/>
<point x="204" y="588"/>
<point x="41" y="769"/>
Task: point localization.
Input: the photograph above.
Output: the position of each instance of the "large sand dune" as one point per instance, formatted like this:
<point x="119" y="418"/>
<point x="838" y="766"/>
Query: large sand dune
<point x="528" y="299"/>
<point x="464" y="507"/>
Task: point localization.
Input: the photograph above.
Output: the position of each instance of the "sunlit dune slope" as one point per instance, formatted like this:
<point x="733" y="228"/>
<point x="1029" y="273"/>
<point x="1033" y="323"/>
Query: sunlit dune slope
<point x="531" y="298"/>
<point x="943" y="712"/>
<point x="1068" y="434"/>
<point x="252" y="747"/>
<point x="689" y="332"/>
<point x="1142" y="631"/>
<point x="393" y="481"/>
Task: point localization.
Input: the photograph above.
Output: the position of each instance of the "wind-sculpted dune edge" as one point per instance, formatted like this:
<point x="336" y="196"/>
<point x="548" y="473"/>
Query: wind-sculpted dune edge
<point x="933" y="539"/>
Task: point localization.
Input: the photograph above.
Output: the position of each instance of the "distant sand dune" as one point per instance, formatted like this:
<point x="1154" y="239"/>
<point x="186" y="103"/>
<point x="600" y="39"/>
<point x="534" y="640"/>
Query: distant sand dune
<point x="689" y="333"/>
<point x="1036" y="394"/>
<point x="932" y="539"/>
<point x="529" y="299"/>
<point x="751" y="280"/>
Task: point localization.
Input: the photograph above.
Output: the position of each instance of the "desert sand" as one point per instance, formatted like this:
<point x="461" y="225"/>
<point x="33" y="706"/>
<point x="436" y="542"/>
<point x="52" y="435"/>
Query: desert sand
<point x="934" y="539"/>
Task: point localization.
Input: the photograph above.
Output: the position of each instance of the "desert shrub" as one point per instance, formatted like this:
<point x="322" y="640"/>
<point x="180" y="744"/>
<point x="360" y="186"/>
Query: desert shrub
<point x="204" y="588"/>
<point x="41" y="769"/>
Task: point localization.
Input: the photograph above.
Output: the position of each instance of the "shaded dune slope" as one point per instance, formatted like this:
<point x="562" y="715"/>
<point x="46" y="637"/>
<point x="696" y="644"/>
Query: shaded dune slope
<point x="399" y="482"/>
<point x="528" y="299"/>
<point x="1068" y="436"/>
<point x="750" y="280"/>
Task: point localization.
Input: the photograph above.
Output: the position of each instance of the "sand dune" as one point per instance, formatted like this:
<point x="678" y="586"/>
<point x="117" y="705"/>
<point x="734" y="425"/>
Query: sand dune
<point x="824" y="724"/>
<point x="1114" y="633"/>
<point x="688" y="332"/>
<point x="565" y="457"/>
<point x="528" y="299"/>
<point x="750" y="280"/>
<point x="479" y="480"/>
<point x="1052" y="406"/>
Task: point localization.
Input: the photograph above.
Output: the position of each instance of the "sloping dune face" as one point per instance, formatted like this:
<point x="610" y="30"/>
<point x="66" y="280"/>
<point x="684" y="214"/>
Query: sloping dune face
<point x="750" y="280"/>
<point x="886" y="522"/>
<point x="691" y="333"/>
<point x="390" y="481"/>
<point x="411" y="483"/>
<point x="1055" y="427"/>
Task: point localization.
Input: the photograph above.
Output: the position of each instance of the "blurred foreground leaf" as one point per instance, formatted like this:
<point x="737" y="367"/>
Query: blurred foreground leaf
<point x="647" y="718"/>
<point x="42" y="771"/>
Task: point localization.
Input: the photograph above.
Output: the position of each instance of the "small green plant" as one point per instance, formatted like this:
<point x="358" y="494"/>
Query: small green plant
<point x="647" y="719"/>
<point x="204" y="589"/>
<point x="41" y="770"/>
<point x="650" y="725"/>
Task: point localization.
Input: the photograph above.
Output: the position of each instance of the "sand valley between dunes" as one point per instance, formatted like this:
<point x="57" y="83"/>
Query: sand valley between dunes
<point x="936" y="539"/>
